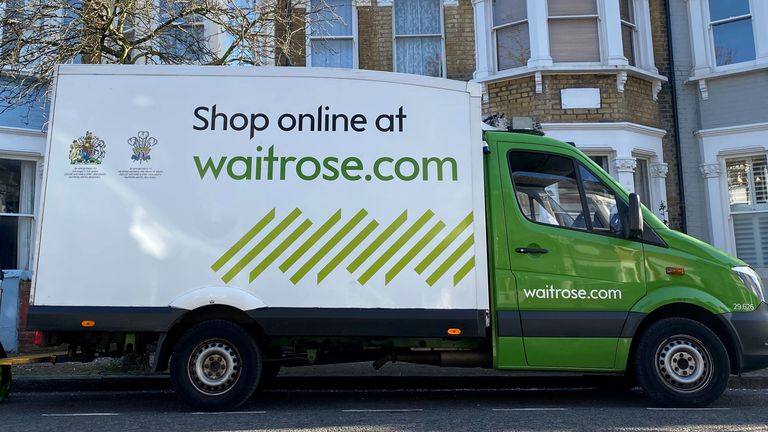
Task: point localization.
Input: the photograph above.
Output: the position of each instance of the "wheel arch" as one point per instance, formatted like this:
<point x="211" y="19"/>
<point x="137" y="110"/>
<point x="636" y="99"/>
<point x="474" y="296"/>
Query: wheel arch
<point x="697" y="313"/>
<point x="168" y="340"/>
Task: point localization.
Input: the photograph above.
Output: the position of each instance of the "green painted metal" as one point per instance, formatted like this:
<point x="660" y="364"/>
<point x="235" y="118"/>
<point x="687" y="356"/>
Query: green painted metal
<point x="582" y="260"/>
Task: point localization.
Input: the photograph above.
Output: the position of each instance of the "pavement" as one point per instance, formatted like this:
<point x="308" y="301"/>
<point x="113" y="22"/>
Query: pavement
<point x="113" y="375"/>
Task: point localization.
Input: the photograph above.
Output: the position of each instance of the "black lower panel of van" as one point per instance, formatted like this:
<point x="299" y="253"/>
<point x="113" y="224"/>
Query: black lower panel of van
<point x="274" y="321"/>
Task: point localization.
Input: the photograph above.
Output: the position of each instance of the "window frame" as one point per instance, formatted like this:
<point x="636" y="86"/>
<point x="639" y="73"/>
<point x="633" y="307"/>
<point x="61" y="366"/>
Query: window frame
<point x="495" y="41"/>
<point x="710" y="35"/>
<point x="635" y="33"/>
<point x="576" y="163"/>
<point x="444" y="62"/>
<point x="755" y="208"/>
<point x="354" y="37"/>
<point x="31" y="217"/>
<point x="650" y="237"/>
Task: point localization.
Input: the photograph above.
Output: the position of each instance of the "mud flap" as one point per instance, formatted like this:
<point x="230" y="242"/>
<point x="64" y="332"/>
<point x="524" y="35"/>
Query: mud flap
<point x="5" y="377"/>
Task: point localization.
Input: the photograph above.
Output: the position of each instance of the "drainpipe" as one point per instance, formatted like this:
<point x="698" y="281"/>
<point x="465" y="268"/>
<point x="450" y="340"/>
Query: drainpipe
<point x="673" y="86"/>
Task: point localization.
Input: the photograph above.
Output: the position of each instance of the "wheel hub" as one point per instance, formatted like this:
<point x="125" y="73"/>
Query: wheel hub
<point x="683" y="363"/>
<point x="214" y="367"/>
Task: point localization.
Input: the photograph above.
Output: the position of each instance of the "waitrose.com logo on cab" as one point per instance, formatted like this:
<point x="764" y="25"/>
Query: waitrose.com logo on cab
<point x="549" y="292"/>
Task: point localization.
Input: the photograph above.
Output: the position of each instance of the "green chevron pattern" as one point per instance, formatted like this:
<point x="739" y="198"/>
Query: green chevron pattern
<point x="389" y="247"/>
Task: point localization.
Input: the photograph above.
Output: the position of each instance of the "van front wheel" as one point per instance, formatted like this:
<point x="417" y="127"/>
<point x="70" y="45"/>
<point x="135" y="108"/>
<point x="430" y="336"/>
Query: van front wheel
<point x="216" y="366"/>
<point x="680" y="362"/>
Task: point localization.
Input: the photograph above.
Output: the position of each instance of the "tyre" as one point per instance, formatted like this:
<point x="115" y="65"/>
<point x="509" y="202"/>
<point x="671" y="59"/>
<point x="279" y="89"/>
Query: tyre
<point x="681" y="363"/>
<point x="216" y="366"/>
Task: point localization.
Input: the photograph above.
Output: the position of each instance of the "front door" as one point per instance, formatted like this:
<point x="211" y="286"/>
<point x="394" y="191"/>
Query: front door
<point x="576" y="274"/>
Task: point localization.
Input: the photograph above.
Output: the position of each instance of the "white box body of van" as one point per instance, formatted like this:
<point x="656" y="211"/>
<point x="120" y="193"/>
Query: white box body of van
<point x="290" y="192"/>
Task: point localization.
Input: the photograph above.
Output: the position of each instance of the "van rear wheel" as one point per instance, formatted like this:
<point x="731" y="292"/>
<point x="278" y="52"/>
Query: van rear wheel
<point x="216" y="366"/>
<point x="680" y="362"/>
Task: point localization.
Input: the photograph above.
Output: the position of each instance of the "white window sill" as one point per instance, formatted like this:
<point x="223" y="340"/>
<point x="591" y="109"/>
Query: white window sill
<point x="563" y="68"/>
<point x="731" y="70"/>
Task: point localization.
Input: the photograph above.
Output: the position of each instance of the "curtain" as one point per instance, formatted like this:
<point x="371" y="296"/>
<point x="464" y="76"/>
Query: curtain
<point x="26" y="206"/>
<point x="418" y="37"/>
<point x="331" y="36"/>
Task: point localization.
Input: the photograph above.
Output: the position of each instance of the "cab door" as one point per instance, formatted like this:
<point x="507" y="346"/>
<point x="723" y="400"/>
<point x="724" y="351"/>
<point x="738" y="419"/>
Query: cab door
<point x="576" y="274"/>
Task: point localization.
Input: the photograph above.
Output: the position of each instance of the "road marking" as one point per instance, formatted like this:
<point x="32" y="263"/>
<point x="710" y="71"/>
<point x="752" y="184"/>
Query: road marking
<point x="688" y="409"/>
<point x="228" y="412"/>
<point x="381" y="410"/>
<point x="81" y="415"/>
<point x="529" y="409"/>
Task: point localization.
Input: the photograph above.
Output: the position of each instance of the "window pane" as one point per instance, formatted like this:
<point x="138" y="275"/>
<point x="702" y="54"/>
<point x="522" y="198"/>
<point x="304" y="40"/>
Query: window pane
<point x="417" y="17"/>
<point x="420" y="55"/>
<point x="10" y="186"/>
<point x="513" y="46"/>
<point x="628" y="40"/>
<point x="332" y="53"/>
<point x="722" y="9"/>
<point x="507" y="11"/>
<point x="734" y="42"/>
<point x="642" y="183"/>
<point x="738" y="183"/>
<point x="627" y="10"/>
<point x="572" y="7"/>
<point x="547" y="189"/>
<point x="601" y="201"/>
<point x="574" y="40"/>
<point x="332" y="18"/>
<point x="9" y="228"/>
<point x="602" y="161"/>
<point x="750" y="233"/>
<point x="760" y="176"/>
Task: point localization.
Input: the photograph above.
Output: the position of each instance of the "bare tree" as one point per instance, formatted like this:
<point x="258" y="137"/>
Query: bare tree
<point x="37" y="35"/>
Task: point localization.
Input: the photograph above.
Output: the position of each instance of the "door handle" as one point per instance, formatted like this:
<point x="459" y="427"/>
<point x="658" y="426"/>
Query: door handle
<point x="523" y="250"/>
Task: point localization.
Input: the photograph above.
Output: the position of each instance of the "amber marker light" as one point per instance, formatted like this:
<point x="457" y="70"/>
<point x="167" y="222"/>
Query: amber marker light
<point x="675" y="271"/>
<point x="88" y="324"/>
<point x="454" y="331"/>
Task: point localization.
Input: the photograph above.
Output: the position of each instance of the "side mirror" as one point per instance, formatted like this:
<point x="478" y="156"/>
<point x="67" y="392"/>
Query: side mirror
<point x="635" y="219"/>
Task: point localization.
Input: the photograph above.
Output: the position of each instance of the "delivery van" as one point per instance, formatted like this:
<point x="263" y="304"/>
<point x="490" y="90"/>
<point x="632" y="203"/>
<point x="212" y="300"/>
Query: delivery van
<point x="234" y="221"/>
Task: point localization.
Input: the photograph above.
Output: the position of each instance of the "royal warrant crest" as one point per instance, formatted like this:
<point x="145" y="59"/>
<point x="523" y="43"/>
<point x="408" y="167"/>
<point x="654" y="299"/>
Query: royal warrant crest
<point x="87" y="150"/>
<point x="142" y="144"/>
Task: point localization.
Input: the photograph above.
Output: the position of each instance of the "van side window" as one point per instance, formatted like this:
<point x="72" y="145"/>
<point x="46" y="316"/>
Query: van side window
<point x="601" y="202"/>
<point x="557" y="190"/>
<point x="547" y="189"/>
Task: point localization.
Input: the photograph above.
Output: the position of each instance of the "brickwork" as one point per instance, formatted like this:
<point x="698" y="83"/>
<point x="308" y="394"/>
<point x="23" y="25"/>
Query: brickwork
<point x="666" y="114"/>
<point x="375" y="37"/>
<point x="518" y="97"/>
<point x="26" y="338"/>
<point x="460" y="40"/>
